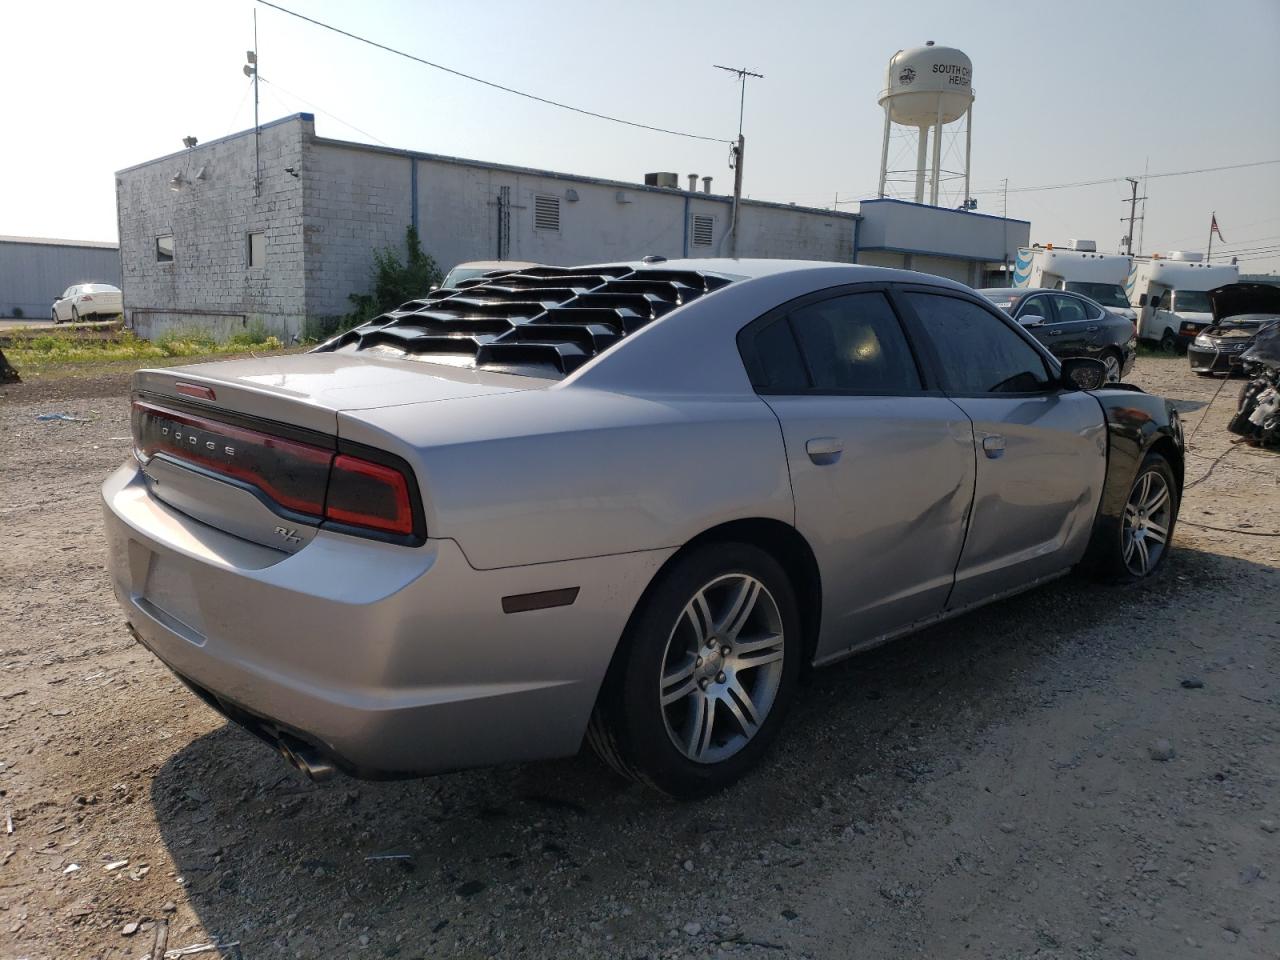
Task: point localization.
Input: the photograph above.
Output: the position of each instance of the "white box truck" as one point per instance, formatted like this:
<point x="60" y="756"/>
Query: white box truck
<point x="1170" y="294"/>
<point x="1077" y="267"/>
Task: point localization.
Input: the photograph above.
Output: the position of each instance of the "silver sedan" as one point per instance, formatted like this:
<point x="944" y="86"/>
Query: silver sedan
<point x="624" y="503"/>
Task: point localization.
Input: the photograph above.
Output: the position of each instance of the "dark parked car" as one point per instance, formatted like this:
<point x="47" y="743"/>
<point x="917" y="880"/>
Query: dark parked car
<point x="1071" y="325"/>
<point x="1239" y="310"/>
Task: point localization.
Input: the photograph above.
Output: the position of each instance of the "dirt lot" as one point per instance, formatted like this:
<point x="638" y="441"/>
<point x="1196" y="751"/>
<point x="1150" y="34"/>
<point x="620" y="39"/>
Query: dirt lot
<point x="986" y="789"/>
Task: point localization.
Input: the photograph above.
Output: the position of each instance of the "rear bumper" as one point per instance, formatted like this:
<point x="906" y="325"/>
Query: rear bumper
<point x="386" y="660"/>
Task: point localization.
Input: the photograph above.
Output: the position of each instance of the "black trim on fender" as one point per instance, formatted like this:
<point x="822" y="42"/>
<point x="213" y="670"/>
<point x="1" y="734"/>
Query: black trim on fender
<point x="1136" y="421"/>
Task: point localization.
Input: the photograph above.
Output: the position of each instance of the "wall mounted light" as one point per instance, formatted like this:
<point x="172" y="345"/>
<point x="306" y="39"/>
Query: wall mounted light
<point x="177" y="182"/>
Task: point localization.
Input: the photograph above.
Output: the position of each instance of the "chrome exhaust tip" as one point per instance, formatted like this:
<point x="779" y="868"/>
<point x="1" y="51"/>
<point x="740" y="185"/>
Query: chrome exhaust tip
<point x="307" y="759"/>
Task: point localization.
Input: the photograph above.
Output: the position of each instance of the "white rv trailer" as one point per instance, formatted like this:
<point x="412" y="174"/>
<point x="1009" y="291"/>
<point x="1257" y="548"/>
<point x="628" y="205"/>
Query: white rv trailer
<point x="1170" y="296"/>
<point x="1077" y="267"/>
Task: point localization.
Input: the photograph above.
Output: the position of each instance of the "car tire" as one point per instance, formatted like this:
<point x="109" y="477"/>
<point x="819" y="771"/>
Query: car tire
<point x="676" y="712"/>
<point x="1203" y="373"/>
<point x="1134" y="547"/>
<point x="75" y="315"/>
<point x="1114" y="363"/>
<point x="53" y="315"/>
<point x="1169" y="343"/>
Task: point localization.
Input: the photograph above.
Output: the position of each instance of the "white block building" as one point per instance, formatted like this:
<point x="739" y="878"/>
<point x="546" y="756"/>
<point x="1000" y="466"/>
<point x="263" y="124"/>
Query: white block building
<point x="205" y="241"/>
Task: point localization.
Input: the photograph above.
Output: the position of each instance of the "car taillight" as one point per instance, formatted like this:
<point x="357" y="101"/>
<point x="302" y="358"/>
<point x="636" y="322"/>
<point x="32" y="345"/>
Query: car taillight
<point x="294" y="475"/>
<point x="315" y="482"/>
<point x="84" y="297"/>
<point x="370" y="495"/>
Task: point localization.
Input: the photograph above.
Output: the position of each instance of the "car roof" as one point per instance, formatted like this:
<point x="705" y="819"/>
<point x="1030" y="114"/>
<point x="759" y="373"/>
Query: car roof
<point x="753" y="268"/>
<point x="1024" y="291"/>
<point x="496" y="264"/>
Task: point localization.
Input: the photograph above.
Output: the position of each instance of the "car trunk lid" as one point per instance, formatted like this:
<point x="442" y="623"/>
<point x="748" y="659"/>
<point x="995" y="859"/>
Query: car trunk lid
<point x="252" y="447"/>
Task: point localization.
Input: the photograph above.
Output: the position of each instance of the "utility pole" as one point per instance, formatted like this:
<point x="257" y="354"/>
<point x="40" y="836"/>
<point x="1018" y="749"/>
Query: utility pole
<point x="1133" y="211"/>
<point x="736" y="153"/>
<point x="1004" y="216"/>
<point x="251" y="71"/>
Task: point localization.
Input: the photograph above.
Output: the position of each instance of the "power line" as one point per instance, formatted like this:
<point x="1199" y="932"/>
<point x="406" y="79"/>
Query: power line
<point x="490" y="83"/>
<point x="1103" y="180"/>
<point x="320" y="109"/>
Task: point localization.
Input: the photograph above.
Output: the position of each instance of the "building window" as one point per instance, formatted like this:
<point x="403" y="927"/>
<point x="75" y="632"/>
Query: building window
<point x="546" y="213"/>
<point x="164" y="248"/>
<point x="257" y="249"/>
<point x="704" y="229"/>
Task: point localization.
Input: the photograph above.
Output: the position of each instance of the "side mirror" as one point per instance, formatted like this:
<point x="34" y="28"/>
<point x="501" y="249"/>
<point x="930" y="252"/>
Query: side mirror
<point x="1083" y="373"/>
<point x="1032" y="321"/>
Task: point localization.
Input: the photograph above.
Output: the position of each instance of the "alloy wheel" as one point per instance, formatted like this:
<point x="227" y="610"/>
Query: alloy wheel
<point x="1147" y="518"/>
<point x="721" y="668"/>
<point x="1112" y="363"/>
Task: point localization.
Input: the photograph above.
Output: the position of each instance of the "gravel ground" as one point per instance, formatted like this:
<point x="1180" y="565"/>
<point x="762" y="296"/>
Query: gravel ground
<point x="1076" y="772"/>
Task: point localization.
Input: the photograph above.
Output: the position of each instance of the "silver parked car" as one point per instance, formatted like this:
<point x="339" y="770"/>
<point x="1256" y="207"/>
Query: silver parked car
<point x="626" y="503"/>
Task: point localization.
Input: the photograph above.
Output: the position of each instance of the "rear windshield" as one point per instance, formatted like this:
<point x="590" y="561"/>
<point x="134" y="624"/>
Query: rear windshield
<point x="1191" y="301"/>
<point x="98" y="288"/>
<point x="1107" y="294"/>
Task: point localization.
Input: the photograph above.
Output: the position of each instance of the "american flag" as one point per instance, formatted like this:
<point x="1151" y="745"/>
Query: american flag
<point x="1213" y="226"/>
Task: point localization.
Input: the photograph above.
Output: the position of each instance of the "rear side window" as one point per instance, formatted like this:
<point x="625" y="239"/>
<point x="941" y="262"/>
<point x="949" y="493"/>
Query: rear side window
<point x="844" y="344"/>
<point x="1070" y="309"/>
<point x="977" y="351"/>
<point x="774" y="364"/>
<point x="855" y="343"/>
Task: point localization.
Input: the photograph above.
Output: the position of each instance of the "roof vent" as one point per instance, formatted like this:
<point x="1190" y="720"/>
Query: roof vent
<point x="1186" y="256"/>
<point x="1083" y="246"/>
<point x="668" y="180"/>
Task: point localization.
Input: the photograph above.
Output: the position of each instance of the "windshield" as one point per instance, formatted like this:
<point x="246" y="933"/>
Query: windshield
<point x="1107" y="294"/>
<point x="458" y="274"/>
<point x="1191" y="301"/>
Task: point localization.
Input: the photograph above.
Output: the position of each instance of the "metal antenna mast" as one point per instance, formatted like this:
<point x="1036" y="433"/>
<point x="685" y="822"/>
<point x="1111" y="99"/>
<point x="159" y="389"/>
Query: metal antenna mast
<point x="736" y="153"/>
<point x="251" y="71"/>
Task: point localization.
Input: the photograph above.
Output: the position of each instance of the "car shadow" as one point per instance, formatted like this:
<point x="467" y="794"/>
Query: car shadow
<point x="289" y="867"/>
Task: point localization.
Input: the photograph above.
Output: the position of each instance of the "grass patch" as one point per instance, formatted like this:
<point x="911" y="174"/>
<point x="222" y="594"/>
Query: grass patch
<point x="71" y="353"/>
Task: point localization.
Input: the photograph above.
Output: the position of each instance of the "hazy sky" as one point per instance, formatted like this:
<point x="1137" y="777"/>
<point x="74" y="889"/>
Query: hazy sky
<point x="1065" y="92"/>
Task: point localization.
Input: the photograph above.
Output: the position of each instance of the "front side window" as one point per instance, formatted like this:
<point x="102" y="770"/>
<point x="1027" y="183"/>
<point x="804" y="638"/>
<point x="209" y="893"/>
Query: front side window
<point x="164" y="248"/>
<point x="977" y="351"/>
<point x="1035" y="310"/>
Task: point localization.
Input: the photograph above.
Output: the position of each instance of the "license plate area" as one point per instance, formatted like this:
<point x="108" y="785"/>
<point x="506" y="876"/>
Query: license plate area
<point x="168" y="594"/>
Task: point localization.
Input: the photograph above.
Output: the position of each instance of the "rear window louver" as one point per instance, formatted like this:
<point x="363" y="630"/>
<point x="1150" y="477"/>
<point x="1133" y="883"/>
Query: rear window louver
<point x="542" y="321"/>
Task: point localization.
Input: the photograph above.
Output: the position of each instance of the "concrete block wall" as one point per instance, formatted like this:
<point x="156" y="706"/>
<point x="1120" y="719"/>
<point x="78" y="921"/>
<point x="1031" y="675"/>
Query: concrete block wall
<point x="209" y="283"/>
<point x="355" y="202"/>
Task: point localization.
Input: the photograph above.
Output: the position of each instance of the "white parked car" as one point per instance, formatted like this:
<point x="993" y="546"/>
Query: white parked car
<point x="479" y="268"/>
<point x="88" y="301"/>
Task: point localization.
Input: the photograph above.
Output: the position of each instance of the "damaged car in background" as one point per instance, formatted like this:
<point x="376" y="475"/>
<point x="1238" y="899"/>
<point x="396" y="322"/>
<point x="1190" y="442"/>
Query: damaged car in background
<point x="1240" y="311"/>
<point x="624" y="504"/>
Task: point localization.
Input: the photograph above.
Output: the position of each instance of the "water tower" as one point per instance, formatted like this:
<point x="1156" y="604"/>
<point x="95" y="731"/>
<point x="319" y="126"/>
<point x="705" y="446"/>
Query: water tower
<point x="927" y="88"/>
